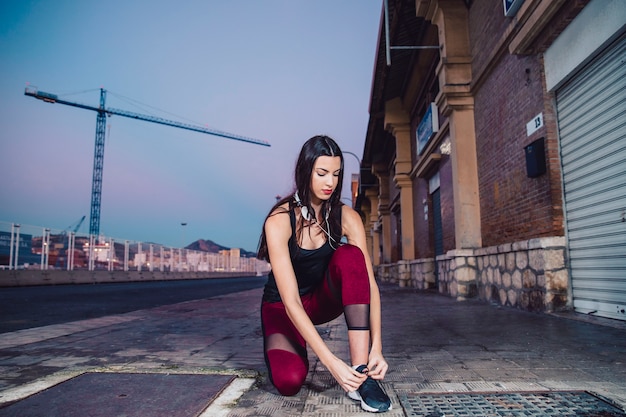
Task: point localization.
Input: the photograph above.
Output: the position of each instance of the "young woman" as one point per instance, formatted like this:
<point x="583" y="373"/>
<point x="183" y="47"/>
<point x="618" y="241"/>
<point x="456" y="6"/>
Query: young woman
<point x="315" y="277"/>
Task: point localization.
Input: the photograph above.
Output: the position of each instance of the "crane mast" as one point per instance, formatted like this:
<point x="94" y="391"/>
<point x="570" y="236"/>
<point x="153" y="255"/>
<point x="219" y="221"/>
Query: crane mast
<point x="98" y="168"/>
<point x="98" y="159"/>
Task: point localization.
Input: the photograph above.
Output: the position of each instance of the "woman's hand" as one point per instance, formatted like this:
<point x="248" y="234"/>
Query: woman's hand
<point x="377" y="365"/>
<point x="348" y="378"/>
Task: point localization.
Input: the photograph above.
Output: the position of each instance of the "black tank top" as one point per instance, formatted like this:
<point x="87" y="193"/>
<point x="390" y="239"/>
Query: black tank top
<point x="309" y="265"/>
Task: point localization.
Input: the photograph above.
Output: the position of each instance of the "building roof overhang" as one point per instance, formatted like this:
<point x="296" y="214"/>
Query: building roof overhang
<point x="390" y="81"/>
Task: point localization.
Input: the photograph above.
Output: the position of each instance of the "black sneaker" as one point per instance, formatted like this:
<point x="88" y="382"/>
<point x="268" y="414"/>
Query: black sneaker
<point x="371" y="395"/>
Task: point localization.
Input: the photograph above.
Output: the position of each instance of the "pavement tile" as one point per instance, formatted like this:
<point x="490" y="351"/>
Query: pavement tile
<point x="433" y="344"/>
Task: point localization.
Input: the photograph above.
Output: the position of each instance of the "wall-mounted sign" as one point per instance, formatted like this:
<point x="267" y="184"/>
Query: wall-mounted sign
<point x="511" y="7"/>
<point x="534" y="125"/>
<point x="427" y="127"/>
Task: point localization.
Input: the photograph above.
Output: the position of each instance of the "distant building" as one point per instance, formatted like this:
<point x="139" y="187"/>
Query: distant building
<point x="230" y="259"/>
<point x="102" y="251"/>
<point x="25" y="252"/>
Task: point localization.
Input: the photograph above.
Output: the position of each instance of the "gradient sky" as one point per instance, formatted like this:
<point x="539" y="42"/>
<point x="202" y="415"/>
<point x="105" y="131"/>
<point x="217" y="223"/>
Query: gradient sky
<point x="276" y="70"/>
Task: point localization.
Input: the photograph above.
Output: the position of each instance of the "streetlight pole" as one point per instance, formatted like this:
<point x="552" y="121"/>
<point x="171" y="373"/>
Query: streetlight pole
<point x="353" y="154"/>
<point x="183" y="224"/>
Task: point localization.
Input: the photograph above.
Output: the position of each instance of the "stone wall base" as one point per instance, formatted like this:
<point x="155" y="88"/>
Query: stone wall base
<point x="530" y="275"/>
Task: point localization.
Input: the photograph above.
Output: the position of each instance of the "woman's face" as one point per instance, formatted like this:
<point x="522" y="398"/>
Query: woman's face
<point x="324" y="178"/>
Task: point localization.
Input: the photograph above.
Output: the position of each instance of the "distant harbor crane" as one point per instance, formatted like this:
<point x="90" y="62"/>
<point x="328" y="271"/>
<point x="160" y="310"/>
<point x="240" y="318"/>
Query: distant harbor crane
<point x="63" y="243"/>
<point x="98" y="159"/>
<point x="73" y="228"/>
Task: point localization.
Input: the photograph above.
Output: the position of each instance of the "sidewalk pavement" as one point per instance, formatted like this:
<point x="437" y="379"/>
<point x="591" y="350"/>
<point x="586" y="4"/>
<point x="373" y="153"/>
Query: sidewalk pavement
<point x="433" y="344"/>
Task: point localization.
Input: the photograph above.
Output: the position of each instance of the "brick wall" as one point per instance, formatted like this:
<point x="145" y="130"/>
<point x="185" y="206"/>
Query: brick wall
<point x="513" y="206"/>
<point x="424" y="228"/>
<point x="553" y="159"/>
<point x="447" y="204"/>
<point x="486" y="25"/>
<point x="424" y="246"/>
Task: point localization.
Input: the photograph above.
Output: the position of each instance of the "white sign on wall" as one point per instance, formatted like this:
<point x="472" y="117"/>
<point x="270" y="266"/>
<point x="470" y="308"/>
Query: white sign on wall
<point x="534" y="125"/>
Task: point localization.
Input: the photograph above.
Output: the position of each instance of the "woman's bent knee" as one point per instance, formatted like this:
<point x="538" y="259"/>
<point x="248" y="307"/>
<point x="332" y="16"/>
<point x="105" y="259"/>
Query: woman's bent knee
<point x="348" y="259"/>
<point x="348" y="251"/>
<point x="288" y="371"/>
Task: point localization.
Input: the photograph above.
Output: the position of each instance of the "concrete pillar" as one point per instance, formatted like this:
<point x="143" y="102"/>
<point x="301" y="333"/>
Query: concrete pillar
<point x="405" y="184"/>
<point x="371" y="227"/>
<point x="397" y="121"/>
<point x="376" y="252"/>
<point x="456" y="102"/>
<point x="384" y="214"/>
<point x="465" y="180"/>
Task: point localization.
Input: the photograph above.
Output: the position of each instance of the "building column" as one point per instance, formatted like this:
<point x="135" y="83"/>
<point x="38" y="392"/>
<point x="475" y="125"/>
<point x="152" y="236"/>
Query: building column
<point x="384" y="214"/>
<point x="456" y="102"/>
<point x="365" y="211"/>
<point x="397" y="122"/>
<point x="465" y="180"/>
<point x="374" y="234"/>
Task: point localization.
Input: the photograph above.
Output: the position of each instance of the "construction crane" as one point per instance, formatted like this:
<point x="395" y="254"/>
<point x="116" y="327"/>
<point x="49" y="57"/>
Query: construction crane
<point x="60" y="245"/>
<point x="98" y="159"/>
<point x="74" y="227"/>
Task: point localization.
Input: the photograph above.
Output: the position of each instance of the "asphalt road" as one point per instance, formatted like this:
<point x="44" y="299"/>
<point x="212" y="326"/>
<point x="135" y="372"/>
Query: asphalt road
<point x="28" y="307"/>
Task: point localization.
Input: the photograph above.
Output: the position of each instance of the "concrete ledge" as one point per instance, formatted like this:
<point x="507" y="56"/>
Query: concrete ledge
<point x="22" y="278"/>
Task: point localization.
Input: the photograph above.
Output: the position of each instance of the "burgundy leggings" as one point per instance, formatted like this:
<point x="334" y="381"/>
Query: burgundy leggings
<point x="345" y="289"/>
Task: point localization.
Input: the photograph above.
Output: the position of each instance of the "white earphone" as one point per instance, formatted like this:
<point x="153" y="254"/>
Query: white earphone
<point x="306" y="216"/>
<point x="305" y="210"/>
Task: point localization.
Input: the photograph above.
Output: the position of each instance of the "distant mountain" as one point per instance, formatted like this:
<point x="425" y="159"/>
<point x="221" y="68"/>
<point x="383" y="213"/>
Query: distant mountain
<point x="205" y="245"/>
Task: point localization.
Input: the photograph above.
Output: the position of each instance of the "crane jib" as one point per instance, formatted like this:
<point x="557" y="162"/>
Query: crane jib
<point x="53" y="98"/>
<point x="96" y="191"/>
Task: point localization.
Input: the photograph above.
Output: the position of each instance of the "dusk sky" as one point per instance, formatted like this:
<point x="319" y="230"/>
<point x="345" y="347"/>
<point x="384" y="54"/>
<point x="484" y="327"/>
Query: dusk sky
<point x="276" y="70"/>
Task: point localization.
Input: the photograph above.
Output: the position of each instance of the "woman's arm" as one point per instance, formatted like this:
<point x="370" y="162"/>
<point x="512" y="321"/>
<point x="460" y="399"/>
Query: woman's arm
<point x="353" y="229"/>
<point x="278" y="232"/>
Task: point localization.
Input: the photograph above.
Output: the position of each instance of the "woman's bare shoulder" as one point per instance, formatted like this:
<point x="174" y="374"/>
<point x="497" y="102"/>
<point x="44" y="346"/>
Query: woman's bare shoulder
<point x="351" y="222"/>
<point x="279" y="217"/>
<point x="348" y="214"/>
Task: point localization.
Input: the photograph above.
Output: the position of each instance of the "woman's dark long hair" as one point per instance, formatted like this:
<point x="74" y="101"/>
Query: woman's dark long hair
<point x="312" y="149"/>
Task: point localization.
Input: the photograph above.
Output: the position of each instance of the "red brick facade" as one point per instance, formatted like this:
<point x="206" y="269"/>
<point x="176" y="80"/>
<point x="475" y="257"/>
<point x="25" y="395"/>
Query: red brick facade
<point x="513" y="206"/>
<point x="508" y="94"/>
<point x="502" y="227"/>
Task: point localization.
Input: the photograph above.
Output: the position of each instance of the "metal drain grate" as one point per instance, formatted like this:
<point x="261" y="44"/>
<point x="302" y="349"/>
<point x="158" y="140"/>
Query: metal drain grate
<point x="510" y="404"/>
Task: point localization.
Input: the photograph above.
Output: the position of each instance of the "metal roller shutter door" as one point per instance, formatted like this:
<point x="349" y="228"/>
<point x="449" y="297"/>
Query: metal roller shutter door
<point x="591" y="112"/>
